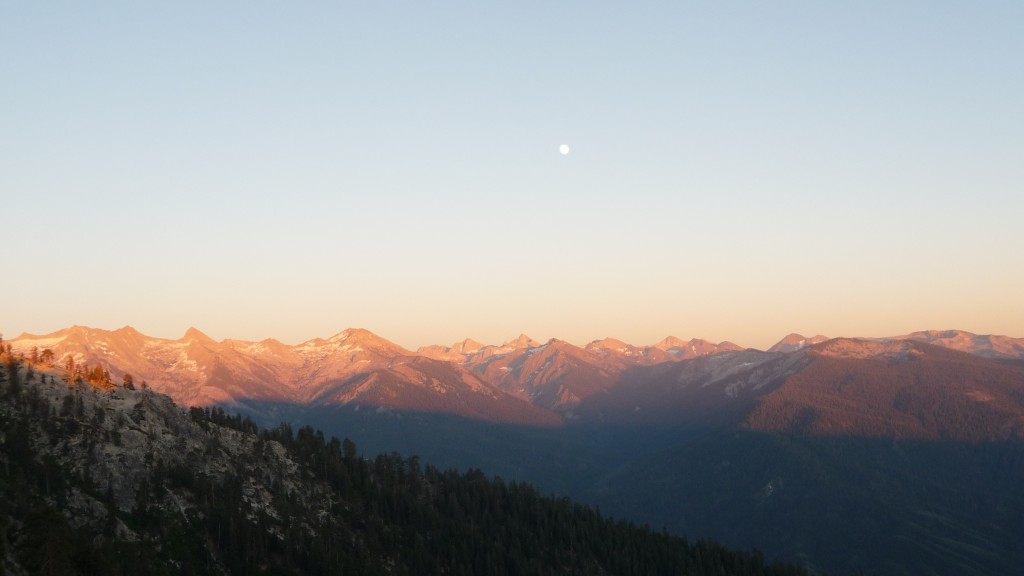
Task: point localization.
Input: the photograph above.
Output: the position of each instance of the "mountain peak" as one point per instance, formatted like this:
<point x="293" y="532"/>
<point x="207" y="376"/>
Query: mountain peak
<point x="193" y="334"/>
<point x="366" y="339"/>
<point x="727" y="346"/>
<point x="670" y="342"/>
<point x="560" y="345"/>
<point x="681" y="349"/>
<point x="354" y="335"/>
<point x="523" y="341"/>
<point x="607" y="344"/>
<point x="793" y="342"/>
<point x="129" y="333"/>
<point x="467" y="346"/>
<point x="458" y="351"/>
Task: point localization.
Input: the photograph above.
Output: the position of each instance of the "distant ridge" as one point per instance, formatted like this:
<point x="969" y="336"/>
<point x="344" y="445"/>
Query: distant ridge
<point x="521" y="381"/>
<point x="989" y="346"/>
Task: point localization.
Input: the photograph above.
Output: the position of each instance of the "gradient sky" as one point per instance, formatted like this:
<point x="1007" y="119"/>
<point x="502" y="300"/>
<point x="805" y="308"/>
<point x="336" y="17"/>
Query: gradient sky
<point x="739" y="170"/>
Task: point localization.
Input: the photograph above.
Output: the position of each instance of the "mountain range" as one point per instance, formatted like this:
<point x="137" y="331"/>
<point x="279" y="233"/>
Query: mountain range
<point x="898" y="455"/>
<point x="521" y="381"/>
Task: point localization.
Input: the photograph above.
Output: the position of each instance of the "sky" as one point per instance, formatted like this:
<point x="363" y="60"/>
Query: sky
<point x="738" y="170"/>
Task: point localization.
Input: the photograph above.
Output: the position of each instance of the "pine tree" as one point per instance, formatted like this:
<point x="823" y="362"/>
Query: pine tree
<point x="13" y="376"/>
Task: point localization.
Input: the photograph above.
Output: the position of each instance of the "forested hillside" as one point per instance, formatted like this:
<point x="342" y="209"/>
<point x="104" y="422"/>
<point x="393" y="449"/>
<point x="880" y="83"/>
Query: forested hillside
<point x="97" y="478"/>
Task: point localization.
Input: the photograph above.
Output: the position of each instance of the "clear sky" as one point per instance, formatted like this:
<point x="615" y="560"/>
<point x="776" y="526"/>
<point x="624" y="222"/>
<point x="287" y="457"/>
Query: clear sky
<point x="738" y="170"/>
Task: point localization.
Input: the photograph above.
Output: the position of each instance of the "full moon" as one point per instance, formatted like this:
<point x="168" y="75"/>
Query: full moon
<point x="564" y="149"/>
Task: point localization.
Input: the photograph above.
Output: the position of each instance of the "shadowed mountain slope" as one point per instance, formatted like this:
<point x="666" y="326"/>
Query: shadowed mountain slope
<point x="896" y="389"/>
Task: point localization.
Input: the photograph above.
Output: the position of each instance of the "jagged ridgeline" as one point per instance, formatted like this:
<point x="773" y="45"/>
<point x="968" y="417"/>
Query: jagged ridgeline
<point x="97" y="478"/>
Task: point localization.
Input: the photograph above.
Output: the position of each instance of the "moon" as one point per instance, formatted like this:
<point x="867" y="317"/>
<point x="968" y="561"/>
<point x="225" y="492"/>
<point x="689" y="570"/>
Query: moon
<point x="564" y="149"/>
